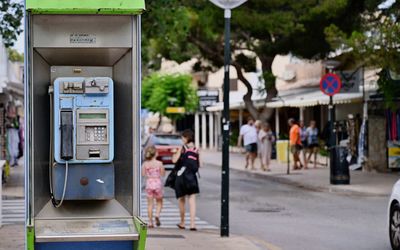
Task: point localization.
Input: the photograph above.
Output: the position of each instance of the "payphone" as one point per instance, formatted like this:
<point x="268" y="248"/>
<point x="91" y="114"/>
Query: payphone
<point x="83" y="139"/>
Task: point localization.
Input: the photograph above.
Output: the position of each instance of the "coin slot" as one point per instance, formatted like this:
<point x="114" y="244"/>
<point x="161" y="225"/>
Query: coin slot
<point x="94" y="153"/>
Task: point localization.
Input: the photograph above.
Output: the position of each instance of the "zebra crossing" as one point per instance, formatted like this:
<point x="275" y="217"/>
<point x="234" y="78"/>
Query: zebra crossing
<point x="170" y="215"/>
<point x="13" y="211"/>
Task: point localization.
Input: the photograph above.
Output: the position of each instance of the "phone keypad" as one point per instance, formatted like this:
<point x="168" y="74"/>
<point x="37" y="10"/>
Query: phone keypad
<point x="96" y="134"/>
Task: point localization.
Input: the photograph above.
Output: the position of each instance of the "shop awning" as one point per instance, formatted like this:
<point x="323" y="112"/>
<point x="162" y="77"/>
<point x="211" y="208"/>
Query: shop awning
<point x="313" y="97"/>
<point x="297" y="98"/>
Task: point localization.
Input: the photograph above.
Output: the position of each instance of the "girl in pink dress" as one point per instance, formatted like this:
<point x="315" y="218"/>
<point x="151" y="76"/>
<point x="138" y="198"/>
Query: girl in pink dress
<point x="153" y="170"/>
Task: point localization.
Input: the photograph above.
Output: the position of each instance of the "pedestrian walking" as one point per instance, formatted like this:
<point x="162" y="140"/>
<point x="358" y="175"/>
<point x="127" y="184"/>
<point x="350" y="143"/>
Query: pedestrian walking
<point x="295" y="143"/>
<point x="153" y="170"/>
<point x="186" y="184"/>
<point x="258" y="126"/>
<point x="13" y="141"/>
<point x="267" y="138"/>
<point x="248" y="134"/>
<point x="312" y="142"/>
<point x="303" y="139"/>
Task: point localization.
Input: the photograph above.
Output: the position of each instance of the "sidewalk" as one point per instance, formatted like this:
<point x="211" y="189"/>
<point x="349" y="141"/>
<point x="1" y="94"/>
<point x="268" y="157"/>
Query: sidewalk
<point x="14" y="187"/>
<point x="13" y="236"/>
<point x="168" y="239"/>
<point x="361" y="183"/>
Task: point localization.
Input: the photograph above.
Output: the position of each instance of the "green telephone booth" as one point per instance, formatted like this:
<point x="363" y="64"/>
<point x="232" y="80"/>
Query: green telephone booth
<point x="67" y="41"/>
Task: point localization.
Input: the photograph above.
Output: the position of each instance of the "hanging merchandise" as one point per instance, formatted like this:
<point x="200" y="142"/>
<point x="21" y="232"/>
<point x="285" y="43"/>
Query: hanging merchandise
<point x="362" y="143"/>
<point x="393" y="137"/>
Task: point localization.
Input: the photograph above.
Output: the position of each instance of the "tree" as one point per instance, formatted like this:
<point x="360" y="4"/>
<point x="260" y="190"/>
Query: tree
<point x="14" y="55"/>
<point x="376" y="44"/>
<point x="162" y="91"/>
<point x="11" y="14"/>
<point x="265" y="28"/>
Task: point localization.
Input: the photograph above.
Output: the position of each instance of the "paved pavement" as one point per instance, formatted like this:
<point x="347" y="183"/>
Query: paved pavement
<point x="12" y="237"/>
<point x="170" y="214"/>
<point x="363" y="183"/>
<point x="14" y="187"/>
<point x="12" y="233"/>
<point x="164" y="239"/>
<point x="293" y="218"/>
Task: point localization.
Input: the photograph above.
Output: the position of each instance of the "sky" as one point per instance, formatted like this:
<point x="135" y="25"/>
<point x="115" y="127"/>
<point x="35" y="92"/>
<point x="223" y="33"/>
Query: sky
<point x="19" y="45"/>
<point x="387" y="4"/>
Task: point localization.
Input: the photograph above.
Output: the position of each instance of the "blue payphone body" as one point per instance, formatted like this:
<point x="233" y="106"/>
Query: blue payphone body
<point x="83" y="138"/>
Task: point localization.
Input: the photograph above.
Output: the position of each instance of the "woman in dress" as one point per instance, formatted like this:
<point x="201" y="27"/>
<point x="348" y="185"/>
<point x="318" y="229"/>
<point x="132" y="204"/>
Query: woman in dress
<point x="267" y="138"/>
<point x="258" y="126"/>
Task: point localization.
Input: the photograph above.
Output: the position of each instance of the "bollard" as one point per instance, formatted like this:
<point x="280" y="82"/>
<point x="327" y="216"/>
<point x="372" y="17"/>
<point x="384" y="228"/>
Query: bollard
<point x="339" y="166"/>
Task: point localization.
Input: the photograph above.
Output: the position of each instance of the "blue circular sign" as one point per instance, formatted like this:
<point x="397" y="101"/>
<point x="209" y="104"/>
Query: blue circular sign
<point x="330" y="84"/>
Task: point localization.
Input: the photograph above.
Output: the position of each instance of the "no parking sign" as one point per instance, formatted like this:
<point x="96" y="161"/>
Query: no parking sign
<point x="330" y="84"/>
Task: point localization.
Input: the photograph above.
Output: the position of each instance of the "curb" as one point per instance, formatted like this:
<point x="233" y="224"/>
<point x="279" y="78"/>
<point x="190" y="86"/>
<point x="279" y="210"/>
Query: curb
<point x="283" y="180"/>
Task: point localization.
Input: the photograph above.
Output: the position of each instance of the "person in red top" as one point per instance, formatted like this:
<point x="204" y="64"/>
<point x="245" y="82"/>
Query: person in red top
<point x="295" y="143"/>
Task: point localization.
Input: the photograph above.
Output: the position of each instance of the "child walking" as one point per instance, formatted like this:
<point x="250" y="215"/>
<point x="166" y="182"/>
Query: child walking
<point x="153" y="170"/>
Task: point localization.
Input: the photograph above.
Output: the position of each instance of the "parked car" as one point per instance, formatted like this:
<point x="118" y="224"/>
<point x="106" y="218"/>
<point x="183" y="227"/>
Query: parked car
<point x="166" y="145"/>
<point x="394" y="217"/>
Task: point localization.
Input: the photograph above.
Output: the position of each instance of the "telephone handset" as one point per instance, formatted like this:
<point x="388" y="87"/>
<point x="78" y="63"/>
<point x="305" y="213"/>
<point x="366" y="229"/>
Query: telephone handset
<point x="67" y="128"/>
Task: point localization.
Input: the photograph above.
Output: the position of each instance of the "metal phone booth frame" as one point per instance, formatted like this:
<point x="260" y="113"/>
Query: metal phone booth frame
<point x="75" y="38"/>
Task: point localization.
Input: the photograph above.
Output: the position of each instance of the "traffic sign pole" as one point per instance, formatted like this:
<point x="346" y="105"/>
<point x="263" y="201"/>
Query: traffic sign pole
<point x="332" y="118"/>
<point x="225" y="133"/>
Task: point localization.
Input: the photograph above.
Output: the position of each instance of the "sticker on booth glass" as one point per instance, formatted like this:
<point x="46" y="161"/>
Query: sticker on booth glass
<point x="82" y="38"/>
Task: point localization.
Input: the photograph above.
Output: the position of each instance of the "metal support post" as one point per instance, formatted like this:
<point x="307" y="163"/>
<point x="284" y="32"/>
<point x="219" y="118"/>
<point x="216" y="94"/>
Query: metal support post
<point x="225" y="133"/>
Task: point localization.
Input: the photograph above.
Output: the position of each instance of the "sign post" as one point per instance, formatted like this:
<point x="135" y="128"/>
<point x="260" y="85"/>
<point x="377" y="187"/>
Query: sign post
<point x="330" y="85"/>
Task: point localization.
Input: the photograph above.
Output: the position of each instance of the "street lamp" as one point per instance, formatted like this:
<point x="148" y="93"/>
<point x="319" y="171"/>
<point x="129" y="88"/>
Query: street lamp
<point x="227" y="5"/>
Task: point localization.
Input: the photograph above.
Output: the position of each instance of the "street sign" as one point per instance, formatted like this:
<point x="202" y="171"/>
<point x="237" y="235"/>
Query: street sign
<point x="207" y="97"/>
<point x="175" y="110"/>
<point x="351" y="81"/>
<point x="330" y="84"/>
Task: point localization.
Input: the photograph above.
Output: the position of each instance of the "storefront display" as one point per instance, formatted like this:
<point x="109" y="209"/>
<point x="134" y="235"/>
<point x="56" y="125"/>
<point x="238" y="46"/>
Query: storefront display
<point x="393" y="138"/>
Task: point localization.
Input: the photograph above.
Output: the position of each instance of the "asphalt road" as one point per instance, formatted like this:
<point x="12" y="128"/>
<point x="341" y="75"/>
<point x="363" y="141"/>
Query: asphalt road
<point x="293" y="218"/>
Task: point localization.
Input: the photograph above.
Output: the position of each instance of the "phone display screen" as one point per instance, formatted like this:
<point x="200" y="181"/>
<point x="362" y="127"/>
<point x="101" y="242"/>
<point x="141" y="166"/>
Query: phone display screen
<point x="92" y="116"/>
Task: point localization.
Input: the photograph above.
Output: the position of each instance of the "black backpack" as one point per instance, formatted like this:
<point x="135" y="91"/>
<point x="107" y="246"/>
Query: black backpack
<point x="190" y="159"/>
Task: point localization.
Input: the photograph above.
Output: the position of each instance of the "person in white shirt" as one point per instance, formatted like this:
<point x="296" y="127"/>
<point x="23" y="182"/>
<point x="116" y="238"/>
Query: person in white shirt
<point x="248" y="134"/>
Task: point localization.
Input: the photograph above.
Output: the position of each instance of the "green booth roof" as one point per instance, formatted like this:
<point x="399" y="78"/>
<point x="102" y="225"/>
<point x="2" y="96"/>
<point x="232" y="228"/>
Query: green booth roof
<point x="117" y="7"/>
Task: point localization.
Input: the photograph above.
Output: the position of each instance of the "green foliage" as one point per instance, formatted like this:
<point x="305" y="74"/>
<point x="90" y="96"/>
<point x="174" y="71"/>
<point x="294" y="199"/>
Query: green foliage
<point x="179" y="30"/>
<point x="376" y="44"/>
<point x="11" y="13"/>
<point x="165" y="29"/>
<point x="14" y="55"/>
<point x="269" y="79"/>
<point x="233" y="138"/>
<point x="184" y="29"/>
<point x="389" y="87"/>
<point x="162" y="91"/>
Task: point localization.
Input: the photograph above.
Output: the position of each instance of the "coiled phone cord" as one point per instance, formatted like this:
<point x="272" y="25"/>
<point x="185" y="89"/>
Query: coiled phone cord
<point x="57" y="205"/>
<point x="51" y="159"/>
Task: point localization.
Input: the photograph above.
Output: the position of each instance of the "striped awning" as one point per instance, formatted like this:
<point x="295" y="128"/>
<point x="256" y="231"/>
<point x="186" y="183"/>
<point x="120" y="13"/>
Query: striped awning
<point x="314" y="98"/>
<point x="300" y="98"/>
